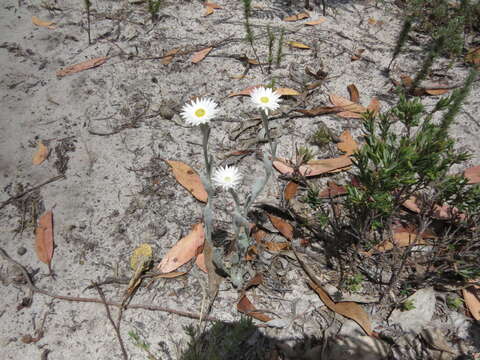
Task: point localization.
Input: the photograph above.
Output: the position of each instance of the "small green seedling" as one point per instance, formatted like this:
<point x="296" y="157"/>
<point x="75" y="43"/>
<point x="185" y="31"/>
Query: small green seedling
<point x="154" y="8"/>
<point x="454" y="302"/>
<point x="408" y="305"/>
<point x="321" y="137"/>
<point x="354" y="283"/>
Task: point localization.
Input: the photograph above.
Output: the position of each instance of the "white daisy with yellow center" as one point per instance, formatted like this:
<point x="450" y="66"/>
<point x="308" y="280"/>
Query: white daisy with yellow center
<point x="228" y="177"/>
<point x="265" y="99"/>
<point x="199" y="111"/>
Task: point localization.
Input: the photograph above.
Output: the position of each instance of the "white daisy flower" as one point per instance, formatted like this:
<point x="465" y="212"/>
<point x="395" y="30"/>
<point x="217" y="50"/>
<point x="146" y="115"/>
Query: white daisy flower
<point x="200" y="111"/>
<point x="228" y="177"/>
<point x="265" y="99"/>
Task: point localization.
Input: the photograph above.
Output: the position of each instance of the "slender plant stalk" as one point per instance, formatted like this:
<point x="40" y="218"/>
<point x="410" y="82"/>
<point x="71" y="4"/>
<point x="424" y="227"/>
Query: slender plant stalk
<point x="87" y="7"/>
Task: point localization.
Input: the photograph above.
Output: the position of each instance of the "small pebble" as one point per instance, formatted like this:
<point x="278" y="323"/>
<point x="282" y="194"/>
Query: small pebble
<point x="21" y="251"/>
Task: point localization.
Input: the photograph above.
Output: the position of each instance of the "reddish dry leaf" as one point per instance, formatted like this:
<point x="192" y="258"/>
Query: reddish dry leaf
<point x="44" y="238"/>
<point x="400" y="239"/>
<point x="436" y="91"/>
<point x="374" y="105"/>
<point x="290" y="190"/>
<point x="244" y="92"/>
<point x="472" y="301"/>
<point x="316" y="22"/>
<point x="346" y="104"/>
<point x="48" y="24"/>
<point x="287" y="92"/>
<point x="200" y="55"/>
<point x="276" y="246"/>
<point x="314" y="167"/>
<point x="85" y="65"/>
<point x="320" y="110"/>
<point x="332" y="190"/>
<point x="347" y="144"/>
<point x="184" y="250"/>
<point x="350" y="115"/>
<point x="357" y="55"/>
<point x="169" y="55"/>
<point x="212" y="5"/>
<point x="200" y="262"/>
<point x="282" y="226"/>
<point x="473" y="174"/>
<point x="41" y="154"/>
<point x="255" y="281"/>
<point x="354" y="94"/>
<point x="189" y="179"/>
<point x="246" y="307"/>
<point x="348" y="309"/>
<point x="301" y="16"/>
<point x="443" y="212"/>
<point x="258" y="235"/>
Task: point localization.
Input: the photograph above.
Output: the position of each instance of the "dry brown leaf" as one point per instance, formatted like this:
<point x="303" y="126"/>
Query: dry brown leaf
<point x="41" y="154"/>
<point x="298" y="45"/>
<point x="316" y="21"/>
<point x="44" y="238"/>
<point x="472" y="301"/>
<point x="354" y="94"/>
<point x="400" y="239"/>
<point x="372" y="21"/>
<point x="436" y="91"/>
<point x="189" y="179"/>
<point x="350" y="115"/>
<point x="314" y="167"/>
<point x="282" y="226"/>
<point x="244" y="92"/>
<point x="200" y="262"/>
<point x="320" y="110"/>
<point x="473" y="174"/>
<point x="208" y="11"/>
<point x="374" y="105"/>
<point x="290" y="190"/>
<point x="346" y="104"/>
<point x="348" y="309"/>
<point x="287" y="92"/>
<point x="258" y="235"/>
<point x="48" y="24"/>
<point x="246" y="307"/>
<point x="332" y="190"/>
<point x="301" y="16"/>
<point x="170" y="275"/>
<point x="473" y="56"/>
<point x="184" y="250"/>
<point x="276" y="246"/>
<point x="347" y="144"/>
<point x="411" y="204"/>
<point x="212" y="5"/>
<point x="200" y="55"/>
<point x="169" y="55"/>
<point x="85" y="65"/>
<point x="357" y="55"/>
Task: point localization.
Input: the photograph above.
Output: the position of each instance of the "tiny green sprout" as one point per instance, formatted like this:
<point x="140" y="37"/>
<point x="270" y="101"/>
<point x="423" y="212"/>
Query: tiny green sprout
<point x="354" y="283"/>
<point x="454" y="302"/>
<point x="304" y="154"/>
<point x="321" y="137"/>
<point x="153" y="8"/>
<point x="408" y="305"/>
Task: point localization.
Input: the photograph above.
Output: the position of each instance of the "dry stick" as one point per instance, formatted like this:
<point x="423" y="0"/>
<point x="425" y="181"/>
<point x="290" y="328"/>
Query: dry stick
<point x="5" y="203"/>
<point x="35" y="289"/>
<point x="115" y="327"/>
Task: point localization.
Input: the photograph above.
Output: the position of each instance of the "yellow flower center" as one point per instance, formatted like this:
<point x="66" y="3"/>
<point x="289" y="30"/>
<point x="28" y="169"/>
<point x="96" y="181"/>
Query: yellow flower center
<point x="227" y="179"/>
<point x="264" y="99"/>
<point x="200" y="112"/>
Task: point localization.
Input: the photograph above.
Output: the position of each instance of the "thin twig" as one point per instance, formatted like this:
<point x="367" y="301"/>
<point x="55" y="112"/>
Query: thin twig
<point x="55" y="178"/>
<point x="37" y="290"/>
<point x="116" y="327"/>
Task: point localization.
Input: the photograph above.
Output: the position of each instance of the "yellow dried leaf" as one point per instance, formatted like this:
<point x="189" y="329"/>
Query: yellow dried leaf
<point x="141" y="256"/>
<point x="208" y="11"/>
<point x="48" y="24"/>
<point x="316" y="22"/>
<point x="287" y="92"/>
<point x="302" y="15"/>
<point x="298" y="45"/>
<point x="41" y="154"/>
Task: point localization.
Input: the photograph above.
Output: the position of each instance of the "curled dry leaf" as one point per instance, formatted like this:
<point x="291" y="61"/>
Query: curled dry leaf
<point x="200" y="262"/>
<point x="472" y="301"/>
<point x="184" y="250"/>
<point x="332" y="191"/>
<point x="85" y="65"/>
<point x="41" y="154"/>
<point x="189" y="179"/>
<point x="318" y="21"/>
<point x="290" y="190"/>
<point x="346" y="104"/>
<point x="314" y="167"/>
<point x="354" y="94"/>
<point x="347" y="144"/>
<point x="282" y="226"/>
<point x="276" y="246"/>
<point x="244" y="92"/>
<point x="200" y="55"/>
<point x="287" y="92"/>
<point x="44" y="238"/>
<point x="48" y="24"/>
<point x="298" y="45"/>
<point x="246" y="307"/>
<point x="349" y="309"/>
<point x="169" y="55"/>
<point x="301" y="16"/>
<point x="473" y="174"/>
<point x="319" y="110"/>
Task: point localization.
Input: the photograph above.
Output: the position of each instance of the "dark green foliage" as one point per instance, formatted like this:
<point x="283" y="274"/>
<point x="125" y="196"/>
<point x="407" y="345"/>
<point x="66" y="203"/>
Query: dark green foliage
<point x="154" y="8"/>
<point x="224" y="341"/>
<point x="280" y="47"/>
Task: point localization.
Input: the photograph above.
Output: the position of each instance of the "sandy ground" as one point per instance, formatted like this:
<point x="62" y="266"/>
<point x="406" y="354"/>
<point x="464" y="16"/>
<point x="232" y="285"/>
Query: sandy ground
<point x="109" y="128"/>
